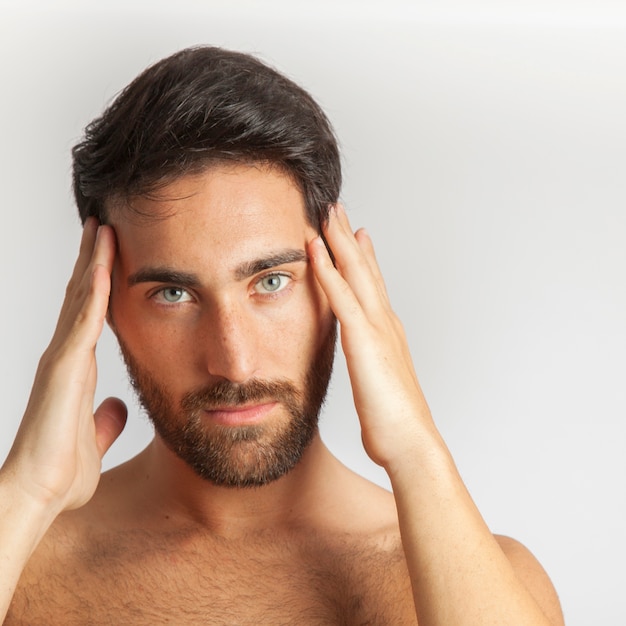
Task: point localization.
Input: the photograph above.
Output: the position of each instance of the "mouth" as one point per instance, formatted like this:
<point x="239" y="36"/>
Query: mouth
<point x="246" y="415"/>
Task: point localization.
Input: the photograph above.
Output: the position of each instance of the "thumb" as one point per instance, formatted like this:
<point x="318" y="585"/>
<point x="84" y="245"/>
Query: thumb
<point x="110" y="419"/>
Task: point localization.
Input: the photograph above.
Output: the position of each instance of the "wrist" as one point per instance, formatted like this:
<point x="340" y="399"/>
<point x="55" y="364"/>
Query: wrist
<point x="422" y="455"/>
<point x="23" y="514"/>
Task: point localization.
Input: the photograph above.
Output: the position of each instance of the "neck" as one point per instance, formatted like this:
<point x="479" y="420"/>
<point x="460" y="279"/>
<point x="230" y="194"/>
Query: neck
<point x="177" y="490"/>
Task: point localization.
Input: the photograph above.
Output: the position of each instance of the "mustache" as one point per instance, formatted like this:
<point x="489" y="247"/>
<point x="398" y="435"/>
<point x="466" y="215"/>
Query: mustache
<point x="227" y="394"/>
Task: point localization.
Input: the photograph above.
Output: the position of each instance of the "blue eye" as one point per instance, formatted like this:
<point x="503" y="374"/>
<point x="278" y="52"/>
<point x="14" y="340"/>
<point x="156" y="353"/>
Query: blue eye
<point x="174" y="295"/>
<point x="272" y="283"/>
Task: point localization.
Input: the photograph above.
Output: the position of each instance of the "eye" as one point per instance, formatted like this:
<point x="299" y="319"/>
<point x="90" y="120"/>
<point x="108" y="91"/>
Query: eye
<point x="172" y="295"/>
<point x="272" y="283"/>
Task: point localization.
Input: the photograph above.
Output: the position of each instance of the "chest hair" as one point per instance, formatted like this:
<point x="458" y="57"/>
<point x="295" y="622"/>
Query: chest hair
<point x="188" y="578"/>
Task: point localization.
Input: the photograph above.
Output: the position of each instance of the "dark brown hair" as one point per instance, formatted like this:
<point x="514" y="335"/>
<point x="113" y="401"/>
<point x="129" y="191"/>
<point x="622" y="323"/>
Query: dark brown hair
<point x="200" y="106"/>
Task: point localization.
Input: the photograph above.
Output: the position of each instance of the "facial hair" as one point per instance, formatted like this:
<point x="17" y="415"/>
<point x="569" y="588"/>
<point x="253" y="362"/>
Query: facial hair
<point x="238" y="456"/>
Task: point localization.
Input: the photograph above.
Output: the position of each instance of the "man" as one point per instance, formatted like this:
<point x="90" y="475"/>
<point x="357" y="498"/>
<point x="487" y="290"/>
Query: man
<point x="215" y="248"/>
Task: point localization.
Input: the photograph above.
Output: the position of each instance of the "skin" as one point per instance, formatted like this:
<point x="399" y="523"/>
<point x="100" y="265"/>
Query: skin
<point x="356" y="553"/>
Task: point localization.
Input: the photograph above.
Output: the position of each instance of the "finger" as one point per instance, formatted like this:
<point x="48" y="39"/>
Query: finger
<point x="85" y="252"/>
<point x="86" y="301"/>
<point x="355" y="263"/>
<point x="367" y="246"/>
<point x="104" y="247"/>
<point x="110" y="419"/>
<point x="340" y="296"/>
<point x="364" y="242"/>
<point x="338" y="220"/>
<point x="97" y="247"/>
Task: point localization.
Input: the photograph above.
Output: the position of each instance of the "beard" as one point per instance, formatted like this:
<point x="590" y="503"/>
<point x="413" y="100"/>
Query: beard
<point x="241" y="456"/>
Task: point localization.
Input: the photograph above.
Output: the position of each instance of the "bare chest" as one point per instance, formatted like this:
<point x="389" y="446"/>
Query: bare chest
<point x="270" y="582"/>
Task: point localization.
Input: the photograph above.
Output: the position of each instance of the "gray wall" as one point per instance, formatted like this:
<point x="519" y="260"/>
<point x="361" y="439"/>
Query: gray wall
<point x="485" y="150"/>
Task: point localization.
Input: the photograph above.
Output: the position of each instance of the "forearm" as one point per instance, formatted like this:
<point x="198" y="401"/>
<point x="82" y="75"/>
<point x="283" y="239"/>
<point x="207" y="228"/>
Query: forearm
<point x="458" y="572"/>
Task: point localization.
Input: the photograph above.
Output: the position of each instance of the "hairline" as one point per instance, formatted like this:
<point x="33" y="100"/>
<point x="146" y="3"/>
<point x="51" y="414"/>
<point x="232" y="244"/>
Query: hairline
<point x="120" y="202"/>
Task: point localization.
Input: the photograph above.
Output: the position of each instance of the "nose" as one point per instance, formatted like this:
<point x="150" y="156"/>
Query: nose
<point x="230" y="343"/>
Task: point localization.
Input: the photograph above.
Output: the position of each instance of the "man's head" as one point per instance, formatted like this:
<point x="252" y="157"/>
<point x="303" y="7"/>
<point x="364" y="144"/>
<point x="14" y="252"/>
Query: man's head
<point x="215" y="171"/>
<point x="198" y="107"/>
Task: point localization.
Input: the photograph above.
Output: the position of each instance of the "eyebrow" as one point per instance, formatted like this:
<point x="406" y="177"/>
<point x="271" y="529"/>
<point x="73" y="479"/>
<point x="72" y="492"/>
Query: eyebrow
<point x="163" y="274"/>
<point x="250" y="268"/>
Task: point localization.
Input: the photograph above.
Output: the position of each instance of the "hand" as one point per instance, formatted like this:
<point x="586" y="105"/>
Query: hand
<point x="387" y="394"/>
<point x="458" y="571"/>
<point x="56" y="457"/>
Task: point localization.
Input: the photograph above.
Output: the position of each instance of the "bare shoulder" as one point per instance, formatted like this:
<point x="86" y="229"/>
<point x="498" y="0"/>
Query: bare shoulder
<point x="534" y="577"/>
<point x="357" y="543"/>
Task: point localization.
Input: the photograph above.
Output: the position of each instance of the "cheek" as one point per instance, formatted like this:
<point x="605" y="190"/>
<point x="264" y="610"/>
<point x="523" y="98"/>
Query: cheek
<point x="155" y="347"/>
<point x="313" y="322"/>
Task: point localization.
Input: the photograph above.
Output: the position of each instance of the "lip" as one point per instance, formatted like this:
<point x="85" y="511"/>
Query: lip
<point x="240" y="415"/>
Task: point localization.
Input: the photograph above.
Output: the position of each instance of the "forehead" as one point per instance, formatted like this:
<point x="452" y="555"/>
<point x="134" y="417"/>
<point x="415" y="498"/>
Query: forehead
<point x="230" y="212"/>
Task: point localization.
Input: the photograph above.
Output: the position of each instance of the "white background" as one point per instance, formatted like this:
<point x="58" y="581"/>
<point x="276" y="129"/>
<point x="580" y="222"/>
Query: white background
<point x="485" y="150"/>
